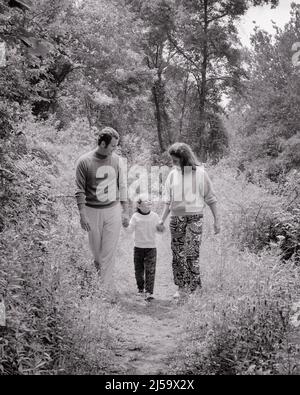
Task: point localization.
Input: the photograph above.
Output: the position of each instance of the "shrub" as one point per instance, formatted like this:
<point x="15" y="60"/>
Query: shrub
<point x="240" y="325"/>
<point x="44" y="282"/>
<point x="241" y="322"/>
<point x="254" y="217"/>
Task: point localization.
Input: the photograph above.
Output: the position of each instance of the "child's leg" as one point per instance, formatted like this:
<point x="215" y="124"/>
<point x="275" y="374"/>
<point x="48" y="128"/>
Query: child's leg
<point x="150" y="266"/>
<point x="139" y="267"/>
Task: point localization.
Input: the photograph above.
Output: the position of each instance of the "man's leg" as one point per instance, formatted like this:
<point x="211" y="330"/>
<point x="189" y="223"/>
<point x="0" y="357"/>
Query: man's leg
<point x="96" y="223"/>
<point x="110" y="236"/>
<point x="150" y="266"/>
<point x="139" y="268"/>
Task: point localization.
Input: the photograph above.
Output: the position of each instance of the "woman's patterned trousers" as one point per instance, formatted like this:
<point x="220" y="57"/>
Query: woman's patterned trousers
<point x="186" y="234"/>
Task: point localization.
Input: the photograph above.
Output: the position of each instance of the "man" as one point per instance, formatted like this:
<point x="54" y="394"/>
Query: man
<point x="101" y="190"/>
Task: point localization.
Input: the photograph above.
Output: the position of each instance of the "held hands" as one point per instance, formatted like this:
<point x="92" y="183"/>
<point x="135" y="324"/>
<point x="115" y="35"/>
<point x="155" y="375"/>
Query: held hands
<point x="125" y="220"/>
<point x="160" y="227"/>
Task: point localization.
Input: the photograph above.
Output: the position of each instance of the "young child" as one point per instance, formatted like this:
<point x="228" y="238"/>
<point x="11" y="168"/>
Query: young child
<point x="143" y="224"/>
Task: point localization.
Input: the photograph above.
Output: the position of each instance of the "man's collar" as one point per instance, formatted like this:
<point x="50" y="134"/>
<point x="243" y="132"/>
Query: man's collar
<point x="100" y="156"/>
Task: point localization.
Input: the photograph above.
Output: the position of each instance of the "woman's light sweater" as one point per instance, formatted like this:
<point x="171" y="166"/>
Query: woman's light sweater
<point x="188" y="192"/>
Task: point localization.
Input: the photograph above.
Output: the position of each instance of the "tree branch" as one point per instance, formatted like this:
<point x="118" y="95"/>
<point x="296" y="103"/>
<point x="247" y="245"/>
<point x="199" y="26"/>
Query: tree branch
<point x="182" y="52"/>
<point x="7" y="172"/>
<point x="219" y="78"/>
<point x="220" y="16"/>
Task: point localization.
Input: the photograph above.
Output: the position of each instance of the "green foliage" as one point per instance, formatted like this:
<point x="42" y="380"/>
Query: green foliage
<point x="259" y="217"/>
<point x="244" y="335"/>
<point x="205" y="40"/>
<point x="270" y="107"/>
<point x="240" y="323"/>
<point x="44" y="283"/>
<point x="139" y="67"/>
<point x="31" y="342"/>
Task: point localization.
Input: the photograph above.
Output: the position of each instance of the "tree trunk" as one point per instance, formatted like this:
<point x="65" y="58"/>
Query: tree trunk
<point x="159" y="99"/>
<point x="158" y="116"/>
<point x="162" y="117"/>
<point x="183" y="108"/>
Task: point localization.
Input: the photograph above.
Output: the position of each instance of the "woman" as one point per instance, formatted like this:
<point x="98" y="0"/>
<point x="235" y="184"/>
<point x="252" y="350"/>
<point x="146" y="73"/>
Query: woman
<point x="187" y="189"/>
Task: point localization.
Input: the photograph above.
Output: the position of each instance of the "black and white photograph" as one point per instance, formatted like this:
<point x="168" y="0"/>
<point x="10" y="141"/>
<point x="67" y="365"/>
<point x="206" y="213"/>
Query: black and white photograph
<point x="150" y="190"/>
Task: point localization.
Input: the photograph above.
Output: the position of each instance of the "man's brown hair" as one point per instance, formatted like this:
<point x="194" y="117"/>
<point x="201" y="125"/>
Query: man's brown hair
<point x="107" y="134"/>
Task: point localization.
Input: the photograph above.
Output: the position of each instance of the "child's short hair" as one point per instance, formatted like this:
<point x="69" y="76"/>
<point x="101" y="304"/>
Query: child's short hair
<point x="142" y="197"/>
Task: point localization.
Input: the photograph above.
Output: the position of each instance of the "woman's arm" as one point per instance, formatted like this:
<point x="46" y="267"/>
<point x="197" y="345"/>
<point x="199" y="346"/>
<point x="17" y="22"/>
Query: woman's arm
<point x="214" y="210"/>
<point x="164" y="216"/>
<point x="211" y="200"/>
<point x="165" y="213"/>
<point x="167" y="198"/>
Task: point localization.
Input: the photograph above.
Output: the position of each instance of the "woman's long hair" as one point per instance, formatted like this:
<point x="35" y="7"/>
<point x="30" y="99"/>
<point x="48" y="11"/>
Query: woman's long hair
<point x="185" y="154"/>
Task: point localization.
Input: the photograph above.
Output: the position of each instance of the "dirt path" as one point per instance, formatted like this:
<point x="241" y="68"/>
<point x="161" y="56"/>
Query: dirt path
<point x="145" y="334"/>
<point x="145" y="337"/>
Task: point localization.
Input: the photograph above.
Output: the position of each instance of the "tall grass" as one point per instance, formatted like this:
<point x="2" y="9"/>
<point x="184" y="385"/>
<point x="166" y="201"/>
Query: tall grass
<point x="57" y="321"/>
<point x="240" y="323"/>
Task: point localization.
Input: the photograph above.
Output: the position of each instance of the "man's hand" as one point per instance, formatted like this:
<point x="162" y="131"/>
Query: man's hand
<point x="84" y="223"/>
<point x="125" y="220"/>
<point x="217" y="227"/>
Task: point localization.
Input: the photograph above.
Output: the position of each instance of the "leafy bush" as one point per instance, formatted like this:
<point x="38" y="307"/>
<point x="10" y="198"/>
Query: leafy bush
<point x="52" y="317"/>
<point x="258" y="216"/>
<point x="240" y="324"/>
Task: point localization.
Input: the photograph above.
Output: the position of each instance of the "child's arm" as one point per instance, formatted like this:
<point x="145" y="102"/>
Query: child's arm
<point x="131" y="226"/>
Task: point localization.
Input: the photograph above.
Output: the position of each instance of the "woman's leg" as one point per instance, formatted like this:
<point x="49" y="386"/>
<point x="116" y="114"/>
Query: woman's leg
<point x="178" y="234"/>
<point x="139" y="267"/>
<point x="192" y="249"/>
<point x="150" y="266"/>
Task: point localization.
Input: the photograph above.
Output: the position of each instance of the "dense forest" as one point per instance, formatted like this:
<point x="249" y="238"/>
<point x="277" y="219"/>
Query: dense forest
<point x="158" y="72"/>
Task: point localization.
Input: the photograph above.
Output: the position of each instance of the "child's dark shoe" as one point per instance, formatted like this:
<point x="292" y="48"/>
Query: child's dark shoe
<point x="148" y="297"/>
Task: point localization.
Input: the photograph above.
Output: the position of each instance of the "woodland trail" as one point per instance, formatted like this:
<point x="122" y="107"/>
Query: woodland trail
<point x="145" y="333"/>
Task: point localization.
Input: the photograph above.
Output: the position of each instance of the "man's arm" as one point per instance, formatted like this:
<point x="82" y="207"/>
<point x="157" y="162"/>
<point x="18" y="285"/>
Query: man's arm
<point x="122" y="185"/>
<point x="125" y="215"/>
<point x="80" y="195"/>
<point x="132" y="223"/>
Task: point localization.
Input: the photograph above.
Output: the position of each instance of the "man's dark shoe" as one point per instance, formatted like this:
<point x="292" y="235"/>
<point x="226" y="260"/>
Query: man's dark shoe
<point x="97" y="266"/>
